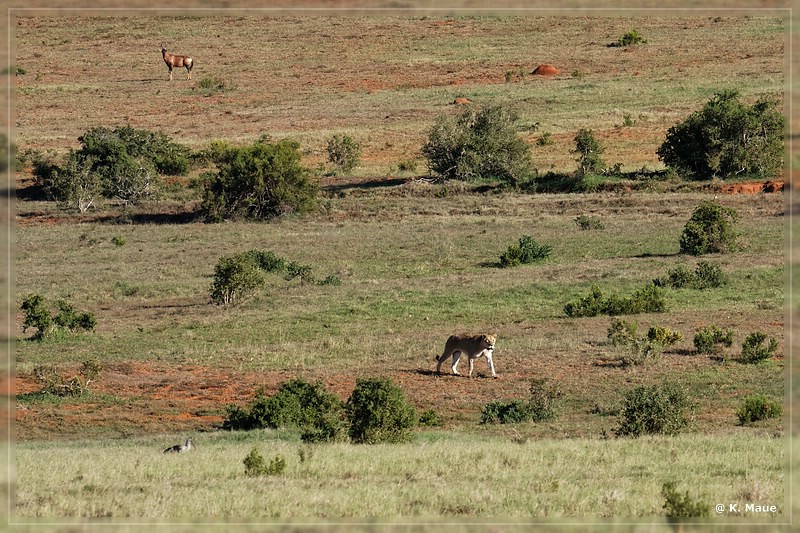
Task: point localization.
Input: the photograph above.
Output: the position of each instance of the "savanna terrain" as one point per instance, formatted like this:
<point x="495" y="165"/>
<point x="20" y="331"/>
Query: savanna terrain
<point x="417" y="261"/>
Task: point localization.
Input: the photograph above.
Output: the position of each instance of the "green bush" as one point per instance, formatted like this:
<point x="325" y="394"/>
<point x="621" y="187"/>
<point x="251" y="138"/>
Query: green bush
<point x="648" y="299"/>
<point x="726" y="139"/>
<point x="47" y="324"/>
<point x="541" y="405"/>
<point x="479" y="144"/>
<point x="588" y="150"/>
<point x="236" y="277"/>
<point x="754" y="350"/>
<point x="378" y="412"/>
<point x="622" y="332"/>
<point x="256" y="466"/>
<point x="710" y="340"/>
<point x="57" y="385"/>
<point x="758" y="407"/>
<point x="505" y="412"/>
<point x="640" y="350"/>
<point x="709" y="230"/>
<point x="588" y="223"/>
<point x="525" y="252"/>
<point x="318" y="414"/>
<point x="631" y="38"/>
<point x="677" y="506"/>
<point x="429" y="418"/>
<point x="258" y="182"/>
<point x="343" y="152"/>
<point x="705" y="276"/>
<point x="664" y="336"/>
<point x="656" y="409"/>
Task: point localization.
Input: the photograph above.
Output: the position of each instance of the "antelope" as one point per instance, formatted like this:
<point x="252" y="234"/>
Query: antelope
<point x="181" y="447"/>
<point x="173" y="60"/>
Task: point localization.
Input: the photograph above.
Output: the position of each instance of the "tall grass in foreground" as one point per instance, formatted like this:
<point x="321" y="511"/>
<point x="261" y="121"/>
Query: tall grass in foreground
<point x="447" y="475"/>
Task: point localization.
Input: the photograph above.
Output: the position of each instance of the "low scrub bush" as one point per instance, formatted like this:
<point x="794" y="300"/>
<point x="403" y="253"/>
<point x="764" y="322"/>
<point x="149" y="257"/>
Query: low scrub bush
<point x="505" y="412"/>
<point x="236" y="277"/>
<point x="47" y="324"/>
<point x="664" y="336"/>
<point x="705" y="276"/>
<point x="525" y="252"/>
<point x="677" y="507"/>
<point x="256" y="466"/>
<point x="541" y="405"/>
<point x="343" y="152"/>
<point x="656" y="409"/>
<point x="378" y="412"/>
<point x="709" y="230"/>
<point x="58" y="385"/>
<point x="711" y="339"/>
<point x="648" y="299"/>
<point x="631" y="38"/>
<point x="758" y="407"/>
<point x="317" y="413"/>
<point x="754" y="350"/>
<point x="585" y="223"/>
<point x="429" y="418"/>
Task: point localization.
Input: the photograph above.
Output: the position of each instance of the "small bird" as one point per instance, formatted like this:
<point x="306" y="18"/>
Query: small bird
<point x="181" y="447"/>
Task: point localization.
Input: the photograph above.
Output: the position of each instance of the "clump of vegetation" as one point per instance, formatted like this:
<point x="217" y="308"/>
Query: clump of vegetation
<point x="309" y="407"/>
<point x="429" y="418"/>
<point x="343" y="152"/>
<point x="754" y="350"/>
<point x="585" y="223"/>
<point x="479" y="144"/>
<point x="640" y="350"/>
<point x="588" y="150"/>
<point x="656" y="409"/>
<point x="256" y="466"/>
<point x="211" y="85"/>
<point x="47" y="324"/>
<point x="705" y="276"/>
<point x="525" y="252"/>
<point x="709" y="230"/>
<point x="258" y="182"/>
<point x="648" y="299"/>
<point x="711" y="339"/>
<point x="758" y="407"/>
<point x="664" y="336"/>
<point x="622" y="332"/>
<point x="378" y="412"/>
<point x="122" y="164"/>
<point x="631" y="38"/>
<point x="541" y="405"/>
<point x="727" y="138"/>
<point x="58" y="385"/>
<point x="235" y="278"/>
<point x="677" y="507"/>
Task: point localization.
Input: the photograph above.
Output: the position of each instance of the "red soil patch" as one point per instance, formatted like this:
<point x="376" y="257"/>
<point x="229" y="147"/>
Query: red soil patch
<point x="545" y="70"/>
<point x="752" y="188"/>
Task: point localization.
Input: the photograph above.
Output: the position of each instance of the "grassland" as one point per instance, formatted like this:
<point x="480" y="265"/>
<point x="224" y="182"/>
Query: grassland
<point x="417" y="263"/>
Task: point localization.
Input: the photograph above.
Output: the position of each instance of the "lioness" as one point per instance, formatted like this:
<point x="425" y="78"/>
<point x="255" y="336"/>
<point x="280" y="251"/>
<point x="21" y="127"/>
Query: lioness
<point x="472" y="347"/>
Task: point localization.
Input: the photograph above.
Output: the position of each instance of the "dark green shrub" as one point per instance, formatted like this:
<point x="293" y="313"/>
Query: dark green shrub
<point x="648" y="299"/>
<point x="378" y="412"/>
<point x="318" y="414"/>
<point x="296" y="270"/>
<point x="268" y="261"/>
<point x="258" y="182"/>
<point x="654" y="410"/>
<point x="677" y="507"/>
<point x="727" y="138"/>
<point x="479" y="144"/>
<point x="631" y="38"/>
<point x="588" y="150"/>
<point x="235" y="278"/>
<point x="256" y="466"/>
<point x="709" y="230"/>
<point x="525" y="252"/>
<point x="505" y="412"/>
<point x="343" y="152"/>
<point x="710" y="340"/>
<point x="758" y="407"/>
<point x="429" y="418"/>
<point x="587" y="223"/>
<point x="331" y="279"/>
<point x="705" y="276"/>
<point x="754" y="350"/>
<point x="67" y="320"/>
<point x="544" y="400"/>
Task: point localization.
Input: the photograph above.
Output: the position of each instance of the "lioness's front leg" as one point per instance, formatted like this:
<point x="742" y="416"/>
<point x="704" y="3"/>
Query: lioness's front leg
<point x="490" y="363"/>
<point x="456" y="357"/>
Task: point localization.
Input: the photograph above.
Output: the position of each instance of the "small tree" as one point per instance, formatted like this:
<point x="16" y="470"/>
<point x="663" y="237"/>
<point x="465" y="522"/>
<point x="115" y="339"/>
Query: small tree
<point x="259" y="182"/>
<point x="343" y="152"/>
<point x="38" y="316"/>
<point x="727" y="138"/>
<point x="235" y="278"/>
<point x="588" y="150"/>
<point x="379" y="412"/>
<point x="709" y="230"/>
<point x="479" y="144"/>
<point x="654" y="410"/>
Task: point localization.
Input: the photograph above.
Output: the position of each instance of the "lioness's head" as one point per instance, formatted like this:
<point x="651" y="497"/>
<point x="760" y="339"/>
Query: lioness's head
<point x="488" y="341"/>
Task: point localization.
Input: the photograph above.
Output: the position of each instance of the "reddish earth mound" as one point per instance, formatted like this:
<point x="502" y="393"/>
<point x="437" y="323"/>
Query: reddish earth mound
<point x="545" y="70"/>
<point x="752" y="188"/>
<point x="462" y="101"/>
